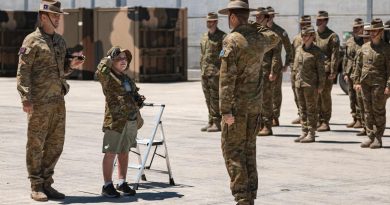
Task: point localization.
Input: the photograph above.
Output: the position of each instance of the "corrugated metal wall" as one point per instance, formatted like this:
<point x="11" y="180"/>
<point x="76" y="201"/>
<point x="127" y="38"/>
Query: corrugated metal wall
<point x="342" y="13"/>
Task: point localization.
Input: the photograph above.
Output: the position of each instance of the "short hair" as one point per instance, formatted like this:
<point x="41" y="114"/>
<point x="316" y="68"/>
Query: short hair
<point x="242" y="14"/>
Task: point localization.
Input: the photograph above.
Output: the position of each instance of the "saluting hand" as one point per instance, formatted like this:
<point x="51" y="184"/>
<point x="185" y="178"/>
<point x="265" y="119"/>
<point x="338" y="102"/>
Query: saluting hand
<point x="228" y="119"/>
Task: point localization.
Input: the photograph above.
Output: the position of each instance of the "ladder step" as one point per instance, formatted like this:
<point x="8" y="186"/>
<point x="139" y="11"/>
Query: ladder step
<point x="134" y="166"/>
<point x="146" y="142"/>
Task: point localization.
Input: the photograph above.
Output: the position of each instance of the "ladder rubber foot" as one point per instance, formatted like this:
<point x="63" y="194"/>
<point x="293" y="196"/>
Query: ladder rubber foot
<point x="171" y="182"/>
<point x="143" y="177"/>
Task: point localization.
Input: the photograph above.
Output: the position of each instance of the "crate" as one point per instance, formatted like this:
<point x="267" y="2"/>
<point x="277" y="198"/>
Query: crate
<point x="156" y="37"/>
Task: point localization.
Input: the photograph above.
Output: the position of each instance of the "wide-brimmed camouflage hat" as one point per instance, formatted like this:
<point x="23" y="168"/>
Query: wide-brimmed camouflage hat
<point x="212" y="16"/>
<point x="307" y="30"/>
<point x="116" y="50"/>
<point x="271" y="11"/>
<point x="322" y="15"/>
<point x="358" y="22"/>
<point x="376" y="24"/>
<point x="260" y="11"/>
<point x="51" y="6"/>
<point x="236" y="4"/>
<point x="305" y="19"/>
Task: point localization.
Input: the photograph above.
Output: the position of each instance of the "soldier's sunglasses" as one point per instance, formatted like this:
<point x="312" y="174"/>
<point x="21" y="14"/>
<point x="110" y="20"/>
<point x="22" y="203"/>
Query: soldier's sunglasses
<point x="117" y="59"/>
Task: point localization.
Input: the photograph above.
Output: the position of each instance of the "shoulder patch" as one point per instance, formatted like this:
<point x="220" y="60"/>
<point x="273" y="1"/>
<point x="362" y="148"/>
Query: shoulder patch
<point x="24" y="50"/>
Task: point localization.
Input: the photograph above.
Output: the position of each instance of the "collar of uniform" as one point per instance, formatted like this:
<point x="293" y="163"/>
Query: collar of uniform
<point x="53" y="37"/>
<point x="324" y="33"/>
<point x="244" y="27"/>
<point x="215" y="33"/>
<point x="307" y="49"/>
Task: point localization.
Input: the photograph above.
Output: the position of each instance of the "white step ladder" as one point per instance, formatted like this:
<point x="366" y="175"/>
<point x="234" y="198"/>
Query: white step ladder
<point x="149" y="143"/>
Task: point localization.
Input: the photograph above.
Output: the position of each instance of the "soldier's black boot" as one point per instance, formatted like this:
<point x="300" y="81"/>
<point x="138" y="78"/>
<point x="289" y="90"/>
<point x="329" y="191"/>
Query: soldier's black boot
<point x="52" y="193"/>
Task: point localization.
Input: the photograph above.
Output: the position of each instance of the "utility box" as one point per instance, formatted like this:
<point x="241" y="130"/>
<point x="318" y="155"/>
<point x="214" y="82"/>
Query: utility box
<point x="77" y="30"/>
<point x="156" y="37"/>
<point x="14" y="27"/>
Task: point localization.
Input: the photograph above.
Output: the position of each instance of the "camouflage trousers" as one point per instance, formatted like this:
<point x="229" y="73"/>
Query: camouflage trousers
<point x="45" y="141"/>
<point x="355" y="110"/>
<point x="325" y="101"/>
<point x="239" y="153"/>
<point x="293" y="73"/>
<point x="266" y="112"/>
<point x="374" y="101"/>
<point x="210" y="86"/>
<point x="308" y="98"/>
<point x="359" y="100"/>
<point x="277" y="95"/>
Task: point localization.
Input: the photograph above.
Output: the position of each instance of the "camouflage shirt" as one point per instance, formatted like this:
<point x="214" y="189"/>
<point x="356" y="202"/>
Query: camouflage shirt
<point x="352" y="46"/>
<point x="297" y="41"/>
<point x="285" y="42"/>
<point x="373" y="64"/>
<point x="210" y="47"/>
<point x="309" y="65"/>
<point x="120" y="105"/>
<point x="240" y="77"/>
<point x="329" y="43"/>
<point x="41" y="69"/>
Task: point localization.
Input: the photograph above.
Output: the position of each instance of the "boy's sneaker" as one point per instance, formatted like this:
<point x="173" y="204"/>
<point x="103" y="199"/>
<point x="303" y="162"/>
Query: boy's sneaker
<point x="110" y="192"/>
<point x="125" y="189"/>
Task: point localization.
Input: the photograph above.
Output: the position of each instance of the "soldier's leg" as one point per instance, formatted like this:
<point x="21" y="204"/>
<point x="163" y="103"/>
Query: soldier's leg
<point x="214" y="104"/>
<point x="206" y="92"/>
<point x="233" y="144"/>
<point x="303" y="113"/>
<point x="379" y="112"/>
<point x="361" y="109"/>
<point x="277" y="96"/>
<point x="310" y="95"/>
<point x="352" y="103"/>
<point x="326" y="105"/>
<point x="266" y="112"/>
<point x="53" y="147"/>
<point x="253" y="128"/>
<point x="297" y="120"/>
<point x="368" y="114"/>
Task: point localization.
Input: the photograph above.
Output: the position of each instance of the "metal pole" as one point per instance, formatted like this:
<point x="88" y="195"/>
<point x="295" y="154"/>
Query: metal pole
<point x="120" y="3"/>
<point x="301" y="8"/>
<point x="92" y="3"/>
<point x="178" y="3"/>
<point x="73" y="4"/>
<point x="369" y="10"/>
<point x="26" y="5"/>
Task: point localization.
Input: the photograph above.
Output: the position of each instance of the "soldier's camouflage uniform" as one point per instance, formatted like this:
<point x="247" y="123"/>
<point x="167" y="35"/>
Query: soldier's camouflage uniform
<point x="41" y="81"/>
<point x="310" y="76"/>
<point x="352" y="46"/>
<point x="211" y="46"/>
<point x="277" y="83"/>
<point x="373" y="74"/>
<point x="329" y="43"/>
<point x="240" y="95"/>
<point x="297" y="41"/>
<point x="359" y="95"/>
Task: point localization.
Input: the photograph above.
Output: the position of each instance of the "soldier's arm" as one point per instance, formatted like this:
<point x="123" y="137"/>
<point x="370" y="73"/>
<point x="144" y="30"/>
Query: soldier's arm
<point x="269" y="40"/>
<point x="387" y="64"/>
<point x="335" y="48"/>
<point x="289" y="49"/>
<point x="359" y="66"/>
<point x="27" y="55"/>
<point x="276" y="62"/>
<point x="321" y="70"/>
<point x="228" y="76"/>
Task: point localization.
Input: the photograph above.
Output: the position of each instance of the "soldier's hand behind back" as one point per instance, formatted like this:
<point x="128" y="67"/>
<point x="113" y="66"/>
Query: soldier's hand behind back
<point x="27" y="107"/>
<point x="228" y="119"/>
<point x="387" y="91"/>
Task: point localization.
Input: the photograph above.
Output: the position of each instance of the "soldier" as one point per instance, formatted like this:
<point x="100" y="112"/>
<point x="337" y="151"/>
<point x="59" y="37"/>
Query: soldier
<point x="373" y="79"/>
<point x="297" y="41"/>
<point x="277" y="83"/>
<point x="120" y="119"/>
<point x="309" y="82"/>
<point x="359" y="96"/>
<point x="41" y="84"/>
<point x="353" y="44"/>
<point x="269" y="68"/>
<point x="329" y="43"/>
<point x="211" y="46"/>
<point x="240" y="98"/>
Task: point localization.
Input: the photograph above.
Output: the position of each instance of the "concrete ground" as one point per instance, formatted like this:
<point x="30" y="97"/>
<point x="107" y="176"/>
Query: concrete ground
<point x="334" y="170"/>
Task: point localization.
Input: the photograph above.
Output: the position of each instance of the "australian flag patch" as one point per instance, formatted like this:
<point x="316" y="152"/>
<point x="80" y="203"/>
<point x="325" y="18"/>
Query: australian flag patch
<point x="22" y="50"/>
